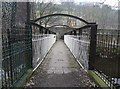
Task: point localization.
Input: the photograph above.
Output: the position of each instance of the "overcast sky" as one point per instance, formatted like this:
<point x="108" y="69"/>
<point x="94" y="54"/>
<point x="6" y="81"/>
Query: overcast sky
<point x="109" y="2"/>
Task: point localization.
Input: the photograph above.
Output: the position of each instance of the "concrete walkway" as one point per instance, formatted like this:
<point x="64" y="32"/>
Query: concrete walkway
<point x="60" y="69"/>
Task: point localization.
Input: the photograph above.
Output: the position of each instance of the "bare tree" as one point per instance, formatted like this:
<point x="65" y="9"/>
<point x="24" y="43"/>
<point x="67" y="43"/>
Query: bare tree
<point x="42" y="8"/>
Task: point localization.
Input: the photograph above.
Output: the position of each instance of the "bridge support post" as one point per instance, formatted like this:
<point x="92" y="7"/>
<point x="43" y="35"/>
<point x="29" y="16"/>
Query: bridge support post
<point x="29" y="32"/>
<point x="92" y="51"/>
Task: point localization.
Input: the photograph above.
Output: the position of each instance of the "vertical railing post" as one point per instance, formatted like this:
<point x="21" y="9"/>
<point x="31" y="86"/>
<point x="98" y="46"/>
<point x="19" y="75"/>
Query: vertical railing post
<point x="1" y="44"/>
<point x="92" y="51"/>
<point x="29" y="37"/>
<point x="11" y="41"/>
<point x="75" y="33"/>
<point x="10" y="59"/>
<point x="80" y="33"/>
<point x="31" y="56"/>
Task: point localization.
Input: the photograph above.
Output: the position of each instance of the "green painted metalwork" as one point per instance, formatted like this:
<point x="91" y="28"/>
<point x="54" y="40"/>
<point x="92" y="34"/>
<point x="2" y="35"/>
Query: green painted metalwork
<point x="16" y="43"/>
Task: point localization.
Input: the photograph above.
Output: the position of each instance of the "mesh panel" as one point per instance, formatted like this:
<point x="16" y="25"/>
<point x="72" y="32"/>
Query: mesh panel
<point x="16" y="42"/>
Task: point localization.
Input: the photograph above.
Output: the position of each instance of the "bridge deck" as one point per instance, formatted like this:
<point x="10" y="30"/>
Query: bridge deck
<point x="60" y="69"/>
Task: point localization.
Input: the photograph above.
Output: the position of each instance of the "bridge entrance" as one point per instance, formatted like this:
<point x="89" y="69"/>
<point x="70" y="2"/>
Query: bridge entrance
<point x="90" y="29"/>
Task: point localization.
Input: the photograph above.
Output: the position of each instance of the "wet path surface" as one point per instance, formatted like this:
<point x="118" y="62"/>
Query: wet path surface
<point x="60" y="69"/>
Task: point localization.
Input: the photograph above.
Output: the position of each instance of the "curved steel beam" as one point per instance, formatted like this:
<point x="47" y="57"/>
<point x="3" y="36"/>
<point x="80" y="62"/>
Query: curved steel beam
<point x="67" y="15"/>
<point x="59" y="25"/>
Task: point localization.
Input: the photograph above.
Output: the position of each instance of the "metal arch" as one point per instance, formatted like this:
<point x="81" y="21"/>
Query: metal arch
<point x="50" y="15"/>
<point x="60" y="25"/>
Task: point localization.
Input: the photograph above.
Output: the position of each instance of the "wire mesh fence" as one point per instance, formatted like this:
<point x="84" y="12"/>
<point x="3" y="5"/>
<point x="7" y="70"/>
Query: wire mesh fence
<point x="16" y="42"/>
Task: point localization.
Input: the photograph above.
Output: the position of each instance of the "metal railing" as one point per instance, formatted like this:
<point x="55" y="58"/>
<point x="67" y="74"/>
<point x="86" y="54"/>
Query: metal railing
<point x="82" y="43"/>
<point x="106" y="63"/>
<point x="42" y="41"/>
<point x="108" y="56"/>
<point x="79" y="46"/>
<point x="16" y="42"/>
<point x="41" y="44"/>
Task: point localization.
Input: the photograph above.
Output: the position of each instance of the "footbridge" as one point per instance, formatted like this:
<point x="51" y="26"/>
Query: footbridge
<point x="32" y="57"/>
